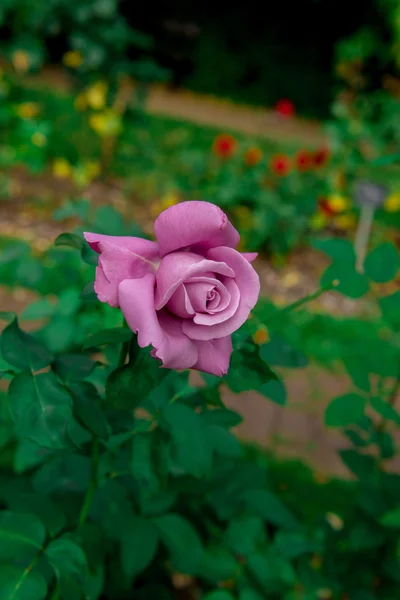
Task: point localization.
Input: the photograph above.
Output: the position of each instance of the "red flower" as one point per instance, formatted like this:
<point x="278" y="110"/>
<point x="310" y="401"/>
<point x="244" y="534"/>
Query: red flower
<point x="253" y="156"/>
<point x="285" y="108"/>
<point x="224" y="145"/>
<point x="321" y="157"/>
<point x="325" y="208"/>
<point x="303" y="160"/>
<point x="280" y="165"/>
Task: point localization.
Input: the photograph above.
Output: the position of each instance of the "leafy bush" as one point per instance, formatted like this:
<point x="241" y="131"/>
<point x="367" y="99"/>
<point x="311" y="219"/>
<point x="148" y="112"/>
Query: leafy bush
<point x="121" y="478"/>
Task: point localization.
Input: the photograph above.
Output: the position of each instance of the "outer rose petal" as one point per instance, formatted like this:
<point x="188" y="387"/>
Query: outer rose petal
<point x="214" y="356"/>
<point x="139" y="246"/>
<point x="161" y="330"/>
<point x="250" y="256"/>
<point x="116" y="264"/>
<point x="248" y="283"/>
<point x="194" y="223"/>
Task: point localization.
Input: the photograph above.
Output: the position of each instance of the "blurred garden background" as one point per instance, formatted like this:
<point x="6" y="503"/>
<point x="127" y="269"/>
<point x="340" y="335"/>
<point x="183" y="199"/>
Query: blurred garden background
<point x="288" y="118"/>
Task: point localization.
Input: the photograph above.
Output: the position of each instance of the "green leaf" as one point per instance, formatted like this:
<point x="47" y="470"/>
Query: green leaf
<point x="41" y="409"/>
<point x="384" y="409"/>
<point x="112" y="507"/>
<point x="21" y="535"/>
<point x="42" y="506"/>
<point x="138" y="546"/>
<point x="218" y="565"/>
<point x="391" y="519"/>
<point x="293" y="544"/>
<point x="142" y="461"/>
<point x="278" y="352"/>
<point x="337" y="249"/>
<point x="223" y="417"/>
<point x="41" y="309"/>
<point x="22" y="350"/>
<point x="270" y="508"/>
<point x="69" y="563"/>
<point x="275" y="391"/>
<point x="390" y="307"/>
<point x="71" y="240"/>
<point x="131" y="384"/>
<point x="88" y="409"/>
<point x="18" y="584"/>
<point x="345" y="410"/>
<point x="88" y="294"/>
<point x="188" y="432"/>
<point x="182" y="541"/>
<point x="113" y="335"/>
<point x="73" y="367"/>
<point x="223" y="442"/>
<point x="362" y="465"/>
<point x="382" y="264"/>
<point x="219" y="595"/>
<point x="249" y="594"/>
<point x="248" y="371"/>
<point x="358" y="372"/>
<point x="244" y="533"/>
<point x="345" y="279"/>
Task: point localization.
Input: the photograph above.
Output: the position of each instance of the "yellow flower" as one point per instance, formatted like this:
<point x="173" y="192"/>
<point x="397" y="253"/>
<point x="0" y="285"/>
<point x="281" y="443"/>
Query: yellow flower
<point x="106" y="124"/>
<point x="261" y="336"/>
<point x="86" y="172"/>
<point x="338" y="203"/>
<point x="96" y="95"/>
<point x="73" y="59"/>
<point x="169" y="199"/>
<point x="39" y="139"/>
<point x="28" y="110"/>
<point x="21" y="61"/>
<point x="392" y="202"/>
<point x="345" y="222"/>
<point x="318" y="221"/>
<point x="62" y="168"/>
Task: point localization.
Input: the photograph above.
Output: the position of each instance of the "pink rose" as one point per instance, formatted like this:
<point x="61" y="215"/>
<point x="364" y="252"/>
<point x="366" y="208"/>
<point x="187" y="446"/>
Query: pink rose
<point x="185" y="294"/>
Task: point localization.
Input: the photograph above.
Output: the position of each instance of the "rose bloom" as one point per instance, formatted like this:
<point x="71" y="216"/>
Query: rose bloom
<point x="303" y="160"/>
<point x="224" y="145"/>
<point x="253" y="156"/>
<point x="280" y="165"/>
<point x="285" y="108"/>
<point x="184" y="294"/>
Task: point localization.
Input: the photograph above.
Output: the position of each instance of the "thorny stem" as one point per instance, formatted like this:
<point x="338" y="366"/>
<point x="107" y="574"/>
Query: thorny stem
<point x="93" y="482"/>
<point x="302" y="301"/>
<point x="25" y="574"/>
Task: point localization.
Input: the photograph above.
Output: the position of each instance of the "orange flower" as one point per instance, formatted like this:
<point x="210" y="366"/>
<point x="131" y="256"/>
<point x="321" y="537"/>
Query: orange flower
<point x="280" y="164"/>
<point x="321" y="157"/>
<point x="253" y="156"/>
<point x="224" y="146"/>
<point x="303" y="160"/>
<point x="285" y="108"/>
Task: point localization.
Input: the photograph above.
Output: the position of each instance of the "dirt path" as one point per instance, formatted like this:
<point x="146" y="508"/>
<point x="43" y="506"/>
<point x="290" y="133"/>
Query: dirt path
<point x="210" y="111"/>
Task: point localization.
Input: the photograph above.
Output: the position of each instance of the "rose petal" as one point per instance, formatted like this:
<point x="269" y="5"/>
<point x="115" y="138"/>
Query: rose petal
<point x="250" y="256"/>
<point x="214" y="356"/>
<point x="248" y="283"/>
<point x="195" y="224"/>
<point x="223" y="315"/>
<point x="197" y="294"/>
<point x="180" y="304"/>
<point x="217" y="285"/>
<point x="116" y="264"/>
<point x="140" y="246"/>
<point x="181" y="266"/>
<point x="161" y="330"/>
